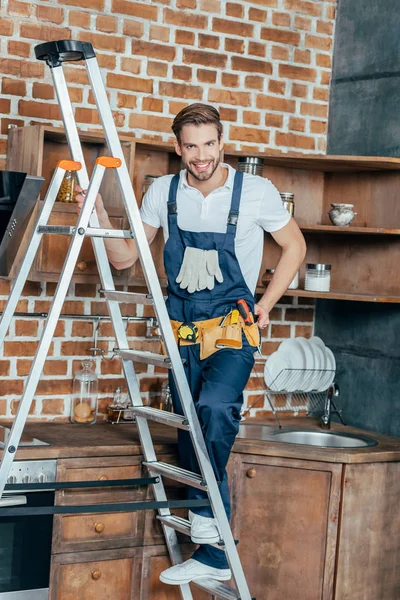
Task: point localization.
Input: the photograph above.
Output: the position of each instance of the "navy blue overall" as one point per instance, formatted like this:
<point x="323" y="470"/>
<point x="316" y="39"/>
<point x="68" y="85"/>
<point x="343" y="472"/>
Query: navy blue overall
<point x="218" y="381"/>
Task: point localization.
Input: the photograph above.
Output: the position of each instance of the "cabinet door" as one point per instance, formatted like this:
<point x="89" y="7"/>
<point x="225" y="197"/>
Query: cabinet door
<point x="285" y="519"/>
<point x="96" y="575"/>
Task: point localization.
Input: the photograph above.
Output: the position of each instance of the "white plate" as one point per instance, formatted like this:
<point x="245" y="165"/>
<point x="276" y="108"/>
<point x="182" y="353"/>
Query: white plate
<point x="296" y="356"/>
<point x="330" y="364"/>
<point x="306" y="380"/>
<point x="274" y="366"/>
<point x="319" y="366"/>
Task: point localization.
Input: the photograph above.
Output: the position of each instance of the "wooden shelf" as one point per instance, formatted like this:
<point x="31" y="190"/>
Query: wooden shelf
<point x="349" y="230"/>
<point x="341" y="296"/>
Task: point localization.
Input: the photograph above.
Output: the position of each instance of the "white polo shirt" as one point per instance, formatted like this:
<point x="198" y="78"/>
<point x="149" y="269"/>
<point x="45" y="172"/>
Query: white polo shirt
<point x="261" y="208"/>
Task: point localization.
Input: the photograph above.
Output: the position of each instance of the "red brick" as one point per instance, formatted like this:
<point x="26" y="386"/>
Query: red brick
<point x="324" y="27"/>
<point x="208" y="59"/>
<point x="228" y="114"/>
<point x="152" y="104"/>
<point x="212" y="6"/>
<point x="318" y="127"/>
<point x="26" y="328"/>
<point x="106" y="61"/>
<point x="132" y="84"/>
<point x="89" y="4"/>
<point x="55" y="367"/>
<point x="257" y="49"/>
<point x="44" y="33"/>
<point x="23" y="367"/>
<point x="40" y="110"/>
<point x="239" y="63"/>
<point x="291" y="140"/>
<point x="229" y="80"/>
<point x="282" y="36"/>
<point x="159" y="33"/>
<point x="176" y="107"/>
<point x="321" y="94"/>
<point x="14" y="87"/>
<point x="277" y="87"/>
<point x="302" y="23"/>
<point x="280" y="331"/>
<point x="308" y="8"/>
<point x="135" y="9"/>
<point x="42" y="90"/>
<point x="299" y="90"/>
<point x="53" y="387"/>
<point x="6" y="27"/>
<point x="254" y="82"/>
<point x="85" y="290"/>
<point x="318" y="42"/>
<point x="106" y="24"/>
<point x="247" y="134"/>
<point x="299" y="314"/>
<point x="302" y="56"/>
<point x="76" y="75"/>
<point x="3" y="407"/>
<point x="100" y="41"/>
<point x="280" y="53"/>
<point x="234" y="45"/>
<point x="81" y="329"/>
<point x="208" y="41"/>
<point x="324" y="60"/>
<point x="267" y="348"/>
<point x="206" y="76"/>
<point x="297" y="124"/>
<point x="277" y="104"/>
<point x="234" y="10"/>
<point x="314" y="110"/>
<point x="186" y="3"/>
<point x="19" y="48"/>
<point x="79" y="19"/>
<point x="131" y="65"/>
<point x="20" y="348"/>
<point x="150" y="123"/>
<point x="251" y="117"/>
<point x="50" y="13"/>
<point x="281" y="19"/>
<point x="15" y="403"/>
<point x="325" y="78"/>
<point x="270" y="3"/>
<point x="181" y="18"/>
<point x="235" y="27"/>
<point x="126" y="101"/>
<point x="184" y="38"/>
<point x="330" y="12"/>
<point x="19" y="8"/>
<point x="292" y="72"/>
<point x="155" y="69"/>
<point x="304" y="331"/>
<point x="152" y="50"/>
<point x="132" y="28"/>
<point x="255" y="14"/>
<point x="229" y="97"/>
<point x="53" y="406"/>
<point x="182" y="72"/>
<point x="4" y="368"/>
<point x="32" y="288"/>
<point x="180" y="90"/>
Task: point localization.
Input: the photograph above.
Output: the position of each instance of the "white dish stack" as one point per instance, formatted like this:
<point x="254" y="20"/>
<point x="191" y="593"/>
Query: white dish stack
<point x="300" y="365"/>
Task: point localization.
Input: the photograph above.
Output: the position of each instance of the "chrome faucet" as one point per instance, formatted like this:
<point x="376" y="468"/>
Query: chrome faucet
<point x="333" y="391"/>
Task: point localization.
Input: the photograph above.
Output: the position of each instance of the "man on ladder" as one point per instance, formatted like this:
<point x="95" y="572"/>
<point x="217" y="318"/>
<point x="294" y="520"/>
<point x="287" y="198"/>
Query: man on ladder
<point x="213" y="219"/>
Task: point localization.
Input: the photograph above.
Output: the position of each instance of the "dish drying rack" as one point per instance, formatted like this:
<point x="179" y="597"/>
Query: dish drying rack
<point x="314" y="402"/>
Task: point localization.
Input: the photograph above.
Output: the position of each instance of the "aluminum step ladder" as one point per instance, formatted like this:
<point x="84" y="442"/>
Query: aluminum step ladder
<point x="55" y="54"/>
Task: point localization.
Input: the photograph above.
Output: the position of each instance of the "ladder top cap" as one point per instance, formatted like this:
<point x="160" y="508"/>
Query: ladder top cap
<point x="109" y="162"/>
<point x="69" y="165"/>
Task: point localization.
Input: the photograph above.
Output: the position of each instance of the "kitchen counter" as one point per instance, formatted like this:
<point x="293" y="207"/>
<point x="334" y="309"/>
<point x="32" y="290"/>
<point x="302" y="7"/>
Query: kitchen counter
<point x="102" y="439"/>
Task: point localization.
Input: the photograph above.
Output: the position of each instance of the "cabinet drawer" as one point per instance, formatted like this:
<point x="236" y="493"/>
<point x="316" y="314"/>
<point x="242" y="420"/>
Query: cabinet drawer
<point x="96" y="575"/>
<point x="74" y="533"/>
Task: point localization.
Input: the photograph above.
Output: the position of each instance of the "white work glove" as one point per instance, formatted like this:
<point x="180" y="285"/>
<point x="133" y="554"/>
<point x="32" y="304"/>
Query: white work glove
<point x="213" y="269"/>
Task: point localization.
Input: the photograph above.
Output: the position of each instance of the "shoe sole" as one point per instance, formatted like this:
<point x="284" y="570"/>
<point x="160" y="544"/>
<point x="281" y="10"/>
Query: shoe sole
<point x="213" y="540"/>
<point x="184" y="581"/>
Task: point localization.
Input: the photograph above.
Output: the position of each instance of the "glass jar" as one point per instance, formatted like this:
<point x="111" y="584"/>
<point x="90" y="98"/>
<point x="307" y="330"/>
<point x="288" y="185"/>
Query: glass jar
<point x="251" y="164"/>
<point x="84" y="395"/>
<point x="116" y="410"/>
<point x="288" y="202"/>
<point x="269" y="273"/>
<point x="148" y="180"/>
<point x="166" y="398"/>
<point x="66" y="193"/>
<point x="318" y="278"/>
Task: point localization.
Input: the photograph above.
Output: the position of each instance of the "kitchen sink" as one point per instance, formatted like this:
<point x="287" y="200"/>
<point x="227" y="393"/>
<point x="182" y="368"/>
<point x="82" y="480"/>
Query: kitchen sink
<point x="305" y="437"/>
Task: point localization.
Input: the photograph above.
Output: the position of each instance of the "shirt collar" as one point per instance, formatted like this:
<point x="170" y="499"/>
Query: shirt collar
<point x="228" y="183"/>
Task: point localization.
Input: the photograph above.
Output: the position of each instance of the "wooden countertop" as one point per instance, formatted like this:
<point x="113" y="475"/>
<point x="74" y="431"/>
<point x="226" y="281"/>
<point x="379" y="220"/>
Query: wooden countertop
<point x="102" y="439"/>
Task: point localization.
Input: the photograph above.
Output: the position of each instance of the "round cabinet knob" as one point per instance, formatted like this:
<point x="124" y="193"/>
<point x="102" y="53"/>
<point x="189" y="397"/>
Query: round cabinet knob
<point x="26" y="479"/>
<point x="82" y="265"/>
<point x="102" y="478"/>
<point x="251" y="473"/>
<point x="99" y="527"/>
<point x="12" y="479"/>
<point x="96" y="574"/>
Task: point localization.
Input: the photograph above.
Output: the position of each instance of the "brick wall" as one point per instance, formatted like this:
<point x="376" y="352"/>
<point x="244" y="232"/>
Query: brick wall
<point x="265" y="64"/>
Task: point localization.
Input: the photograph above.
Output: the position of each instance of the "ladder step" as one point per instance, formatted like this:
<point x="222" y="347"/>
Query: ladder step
<point x="217" y="589"/>
<point x="161" y="416"/>
<point x="127" y="297"/>
<point x="150" y="358"/>
<point x="182" y="525"/>
<point x="89" y="232"/>
<point x="177" y="474"/>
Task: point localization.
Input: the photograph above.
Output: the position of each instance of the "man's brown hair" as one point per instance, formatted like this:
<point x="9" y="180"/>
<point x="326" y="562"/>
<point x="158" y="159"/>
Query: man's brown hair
<point x="196" y="114"/>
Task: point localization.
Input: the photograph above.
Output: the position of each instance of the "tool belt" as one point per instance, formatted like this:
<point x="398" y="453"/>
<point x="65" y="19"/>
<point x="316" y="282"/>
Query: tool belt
<point x="218" y="333"/>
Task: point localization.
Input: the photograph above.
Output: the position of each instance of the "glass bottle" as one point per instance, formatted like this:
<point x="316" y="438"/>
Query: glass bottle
<point x="66" y="193"/>
<point x="116" y="410"/>
<point x="288" y="202"/>
<point x="85" y="394"/>
<point x="166" y="398"/>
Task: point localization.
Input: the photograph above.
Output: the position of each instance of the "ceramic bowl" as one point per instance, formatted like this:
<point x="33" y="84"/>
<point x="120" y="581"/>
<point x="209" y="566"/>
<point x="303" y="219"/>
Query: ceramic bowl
<point x="341" y="215"/>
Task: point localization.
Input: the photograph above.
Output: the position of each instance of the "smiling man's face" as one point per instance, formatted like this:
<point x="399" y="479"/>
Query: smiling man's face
<point x="200" y="150"/>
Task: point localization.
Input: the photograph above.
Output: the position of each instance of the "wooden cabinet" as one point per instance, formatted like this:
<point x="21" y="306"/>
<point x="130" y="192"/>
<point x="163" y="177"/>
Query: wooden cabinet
<point x="286" y="519"/>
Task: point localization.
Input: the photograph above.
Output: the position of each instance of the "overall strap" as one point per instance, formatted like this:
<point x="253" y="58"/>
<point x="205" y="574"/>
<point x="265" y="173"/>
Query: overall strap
<point x="235" y="203"/>
<point x="172" y="206"/>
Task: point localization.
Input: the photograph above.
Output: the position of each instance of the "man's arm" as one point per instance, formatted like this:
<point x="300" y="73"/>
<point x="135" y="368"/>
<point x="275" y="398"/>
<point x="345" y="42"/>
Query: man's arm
<point x="121" y="253"/>
<point x="293" y="247"/>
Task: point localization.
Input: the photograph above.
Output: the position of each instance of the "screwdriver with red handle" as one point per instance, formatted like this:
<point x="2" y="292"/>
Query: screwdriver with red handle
<point x="246" y="315"/>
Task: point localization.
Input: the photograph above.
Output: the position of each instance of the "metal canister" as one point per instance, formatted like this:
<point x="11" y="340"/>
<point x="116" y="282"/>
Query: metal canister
<point x="288" y="202"/>
<point x="251" y="164"/>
